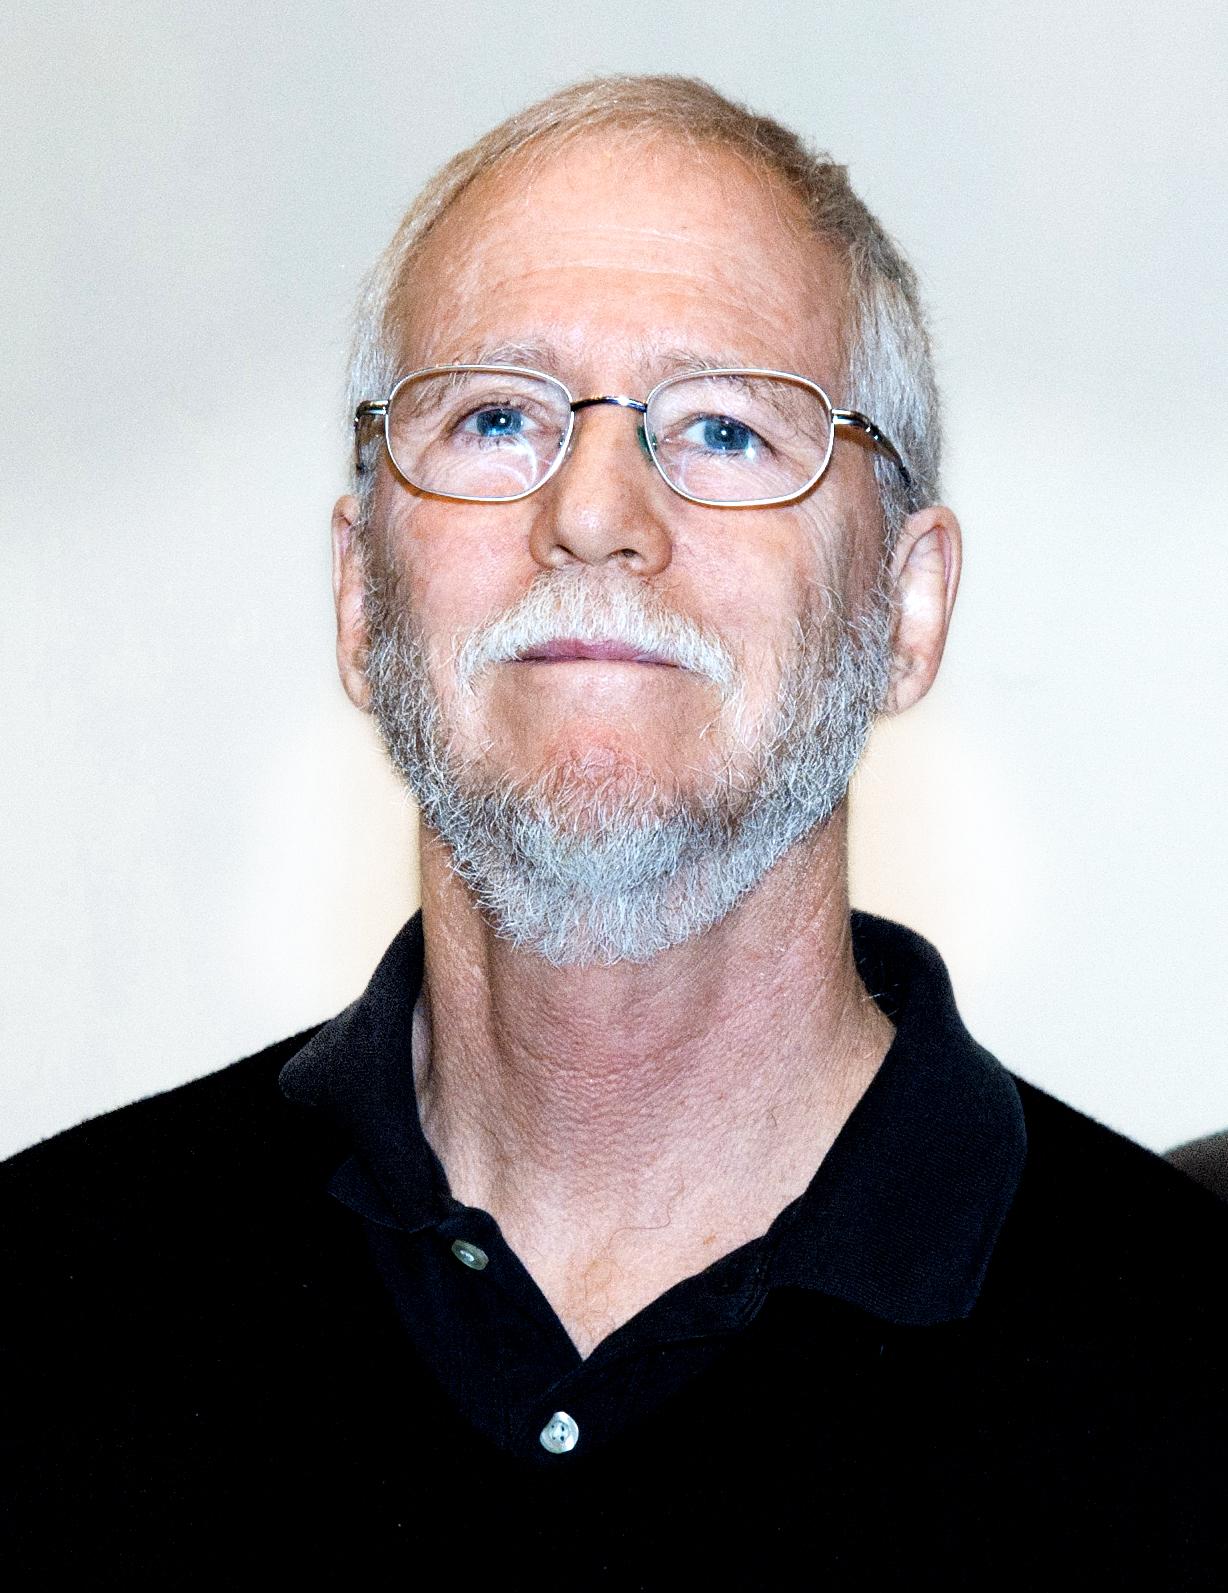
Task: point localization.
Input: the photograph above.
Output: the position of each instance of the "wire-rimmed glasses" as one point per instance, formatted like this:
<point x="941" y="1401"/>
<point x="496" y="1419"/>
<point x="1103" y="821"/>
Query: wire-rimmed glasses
<point x="727" y="438"/>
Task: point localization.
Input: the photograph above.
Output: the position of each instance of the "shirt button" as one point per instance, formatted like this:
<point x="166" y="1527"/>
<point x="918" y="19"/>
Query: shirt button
<point x="472" y="1255"/>
<point x="560" y="1433"/>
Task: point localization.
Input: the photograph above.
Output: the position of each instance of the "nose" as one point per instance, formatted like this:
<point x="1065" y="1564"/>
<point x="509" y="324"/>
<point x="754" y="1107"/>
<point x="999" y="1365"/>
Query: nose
<point x="605" y="503"/>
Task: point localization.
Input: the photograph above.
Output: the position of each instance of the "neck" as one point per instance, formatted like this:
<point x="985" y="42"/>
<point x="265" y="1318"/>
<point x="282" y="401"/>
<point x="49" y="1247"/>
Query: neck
<point x="679" y="1104"/>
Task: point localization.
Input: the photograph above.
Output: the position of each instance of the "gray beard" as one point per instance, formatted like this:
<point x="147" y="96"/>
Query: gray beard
<point x="598" y="867"/>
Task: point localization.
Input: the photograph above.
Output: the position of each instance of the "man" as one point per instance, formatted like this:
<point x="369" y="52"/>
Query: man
<point x="650" y="1221"/>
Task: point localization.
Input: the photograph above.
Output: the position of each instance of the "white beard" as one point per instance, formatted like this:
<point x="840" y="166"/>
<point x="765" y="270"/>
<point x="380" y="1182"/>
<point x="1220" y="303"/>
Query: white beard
<point x="593" y="862"/>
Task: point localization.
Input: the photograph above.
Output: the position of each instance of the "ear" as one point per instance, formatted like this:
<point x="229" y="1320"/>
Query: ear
<point x="349" y="585"/>
<point x="925" y="570"/>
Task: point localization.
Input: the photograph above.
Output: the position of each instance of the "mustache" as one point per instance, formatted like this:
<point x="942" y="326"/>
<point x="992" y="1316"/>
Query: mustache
<point x="572" y="605"/>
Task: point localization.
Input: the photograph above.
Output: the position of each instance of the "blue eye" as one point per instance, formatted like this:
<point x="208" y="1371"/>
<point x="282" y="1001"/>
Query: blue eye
<point x="498" y="422"/>
<point x="721" y="434"/>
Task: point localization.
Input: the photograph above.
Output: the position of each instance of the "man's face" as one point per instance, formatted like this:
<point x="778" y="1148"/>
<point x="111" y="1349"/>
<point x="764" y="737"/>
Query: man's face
<point x="610" y="267"/>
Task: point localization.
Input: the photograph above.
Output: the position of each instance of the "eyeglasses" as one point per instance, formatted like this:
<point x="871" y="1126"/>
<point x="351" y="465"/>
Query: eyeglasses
<point x="725" y="438"/>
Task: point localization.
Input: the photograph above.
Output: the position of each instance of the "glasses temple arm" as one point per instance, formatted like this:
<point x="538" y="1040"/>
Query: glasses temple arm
<point x="854" y="417"/>
<point x="369" y="409"/>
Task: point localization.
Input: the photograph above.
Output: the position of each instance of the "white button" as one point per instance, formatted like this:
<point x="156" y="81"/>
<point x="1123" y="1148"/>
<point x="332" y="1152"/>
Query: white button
<point x="472" y="1255"/>
<point x="560" y="1433"/>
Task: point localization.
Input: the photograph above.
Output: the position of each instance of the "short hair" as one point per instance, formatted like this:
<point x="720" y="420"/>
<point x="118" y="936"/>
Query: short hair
<point x="888" y="362"/>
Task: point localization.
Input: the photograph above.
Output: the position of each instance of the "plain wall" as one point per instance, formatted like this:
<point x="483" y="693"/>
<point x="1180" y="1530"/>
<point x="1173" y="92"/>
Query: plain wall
<point x="203" y="850"/>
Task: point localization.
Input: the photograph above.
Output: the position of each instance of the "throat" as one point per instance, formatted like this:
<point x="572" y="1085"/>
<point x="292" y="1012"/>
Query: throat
<point x="609" y="1209"/>
<point x="629" y="1124"/>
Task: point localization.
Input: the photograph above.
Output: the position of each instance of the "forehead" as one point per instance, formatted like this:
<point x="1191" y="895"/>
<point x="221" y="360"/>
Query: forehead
<point x="613" y="258"/>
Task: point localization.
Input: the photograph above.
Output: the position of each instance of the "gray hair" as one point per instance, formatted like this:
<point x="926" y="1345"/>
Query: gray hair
<point x="889" y="366"/>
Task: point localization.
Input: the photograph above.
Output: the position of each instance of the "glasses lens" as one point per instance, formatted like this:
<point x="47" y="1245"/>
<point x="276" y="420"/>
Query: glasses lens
<point x="485" y="433"/>
<point x="739" y="438"/>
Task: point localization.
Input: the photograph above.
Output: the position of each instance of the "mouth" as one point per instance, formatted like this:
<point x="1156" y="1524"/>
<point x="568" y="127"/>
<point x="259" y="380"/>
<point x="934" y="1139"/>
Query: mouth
<point x="569" y="650"/>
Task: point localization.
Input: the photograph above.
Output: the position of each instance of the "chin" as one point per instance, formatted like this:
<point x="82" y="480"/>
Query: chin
<point x="590" y="784"/>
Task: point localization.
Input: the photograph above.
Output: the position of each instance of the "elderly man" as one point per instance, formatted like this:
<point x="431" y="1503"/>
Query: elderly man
<point x="650" y="1221"/>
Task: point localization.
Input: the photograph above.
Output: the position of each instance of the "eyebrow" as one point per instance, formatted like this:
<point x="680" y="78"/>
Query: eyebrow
<point x="537" y="356"/>
<point x="656" y="361"/>
<point x="681" y="360"/>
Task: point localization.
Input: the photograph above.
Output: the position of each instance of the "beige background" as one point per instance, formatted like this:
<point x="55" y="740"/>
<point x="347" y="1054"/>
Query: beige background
<point x="202" y="850"/>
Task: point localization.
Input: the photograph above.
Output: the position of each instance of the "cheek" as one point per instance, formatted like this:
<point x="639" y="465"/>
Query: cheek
<point x="460" y="564"/>
<point x="850" y="527"/>
<point x="750" y="582"/>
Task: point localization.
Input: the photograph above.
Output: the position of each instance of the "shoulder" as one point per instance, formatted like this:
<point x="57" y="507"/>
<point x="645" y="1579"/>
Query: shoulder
<point x="162" y="1262"/>
<point x="164" y="1227"/>
<point x="228" y="1131"/>
<point x="1106" y="1226"/>
<point x="1072" y="1155"/>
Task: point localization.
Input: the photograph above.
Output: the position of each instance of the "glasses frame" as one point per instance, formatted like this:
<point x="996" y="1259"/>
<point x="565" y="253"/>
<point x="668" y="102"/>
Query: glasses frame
<point x="379" y="408"/>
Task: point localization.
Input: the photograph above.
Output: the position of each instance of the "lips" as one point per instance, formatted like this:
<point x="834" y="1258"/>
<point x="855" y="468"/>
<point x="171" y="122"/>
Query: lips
<point x="568" y="650"/>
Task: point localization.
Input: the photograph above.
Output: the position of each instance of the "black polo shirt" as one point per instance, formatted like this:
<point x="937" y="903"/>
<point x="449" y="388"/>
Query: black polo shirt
<point x="984" y="1349"/>
<point x="899" y="1220"/>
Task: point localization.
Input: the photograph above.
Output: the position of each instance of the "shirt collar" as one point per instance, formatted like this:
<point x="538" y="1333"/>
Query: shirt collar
<point x="358" y="1069"/>
<point x="903" y="1213"/>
